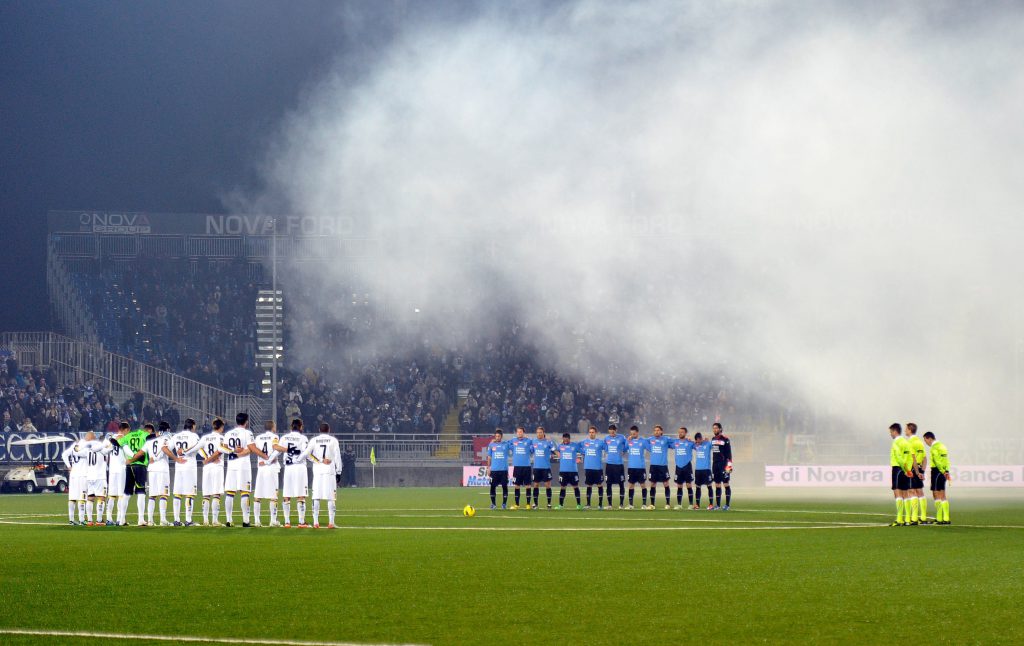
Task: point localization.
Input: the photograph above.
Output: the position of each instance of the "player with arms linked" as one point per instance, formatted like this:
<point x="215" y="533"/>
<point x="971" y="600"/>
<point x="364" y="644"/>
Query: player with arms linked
<point x="569" y="457"/>
<point x="522" y="471"/>
<point x="543" y="451"/>
<point x="592" y="449"/>
<point x="657" y="446"/>
<point x="683" y="447"/>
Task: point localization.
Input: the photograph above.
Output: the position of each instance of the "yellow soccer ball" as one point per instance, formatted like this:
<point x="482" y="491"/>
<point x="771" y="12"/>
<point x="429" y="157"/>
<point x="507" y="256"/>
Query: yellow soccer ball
<point x="469" y="511"/>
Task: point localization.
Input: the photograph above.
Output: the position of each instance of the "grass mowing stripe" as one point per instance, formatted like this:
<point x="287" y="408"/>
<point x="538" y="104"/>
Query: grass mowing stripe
<point x="176" y="638"/>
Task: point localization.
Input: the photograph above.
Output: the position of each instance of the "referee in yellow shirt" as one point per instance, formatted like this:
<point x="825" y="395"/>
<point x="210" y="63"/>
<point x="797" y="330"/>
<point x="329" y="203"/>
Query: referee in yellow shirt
<point x="902" y="463"/>
<point x="940" y="476"/>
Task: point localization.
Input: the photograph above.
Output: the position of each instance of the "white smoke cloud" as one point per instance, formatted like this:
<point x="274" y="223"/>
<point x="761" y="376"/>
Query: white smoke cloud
<point x="827" y="196"/>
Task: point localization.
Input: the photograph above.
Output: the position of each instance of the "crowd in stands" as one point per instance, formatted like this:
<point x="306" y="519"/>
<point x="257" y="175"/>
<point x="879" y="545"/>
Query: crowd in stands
<point x="382" y="396"/>
<point x="34" y="401"/>
<point x="183" y="316"/>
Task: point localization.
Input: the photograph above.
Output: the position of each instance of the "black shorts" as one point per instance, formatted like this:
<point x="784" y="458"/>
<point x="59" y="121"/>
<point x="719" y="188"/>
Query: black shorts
<point x="900" y="480"/>
<point x="616" y="473"/>
<point x="684" y="474"/>
<point x="659" y="473"/>
<point x="637" y="476"/>
<point x="569" y="478"/>
<point x="135" y="479"/>
<point x="703" y="477"/>
<point x="499" y="478"/>
<point x="938" y="480"/>
<point x="720" y="475"/>
<point x="521" y="476"/>
<point x="542" y="475"/>
<point x="593" y="476"/>
<point x="915" y="482"/>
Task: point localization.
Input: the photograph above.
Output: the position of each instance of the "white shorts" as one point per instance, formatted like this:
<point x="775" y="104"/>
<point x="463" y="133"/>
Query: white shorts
<point x="77" y="487"/>
<point x="115" y="482"/>
<point x="159" y="484"/>
<point x="296" y="482"/>
<point x="238" y="480"/>
<point x="267" y="480"/>
<point x="213" y="480"/>
<point x="324" y="486"/>
<point x="97" y="488"/>
<point x="184" y="482"/>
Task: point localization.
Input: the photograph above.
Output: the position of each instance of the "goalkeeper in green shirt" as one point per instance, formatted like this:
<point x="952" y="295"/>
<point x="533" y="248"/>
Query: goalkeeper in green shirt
<point x="940" y="475"/>
<point x="137" y="462"/>
<point x="902" y="463"/>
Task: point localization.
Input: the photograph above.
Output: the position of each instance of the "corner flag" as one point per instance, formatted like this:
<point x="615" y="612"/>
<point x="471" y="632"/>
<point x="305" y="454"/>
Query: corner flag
<point x="373" y="456"/>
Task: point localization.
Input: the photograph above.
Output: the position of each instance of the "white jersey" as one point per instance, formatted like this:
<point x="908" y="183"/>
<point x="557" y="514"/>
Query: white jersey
<point x="321" y="448"/>
<point x="154" y="448"/>
<point x="114" y="453"/>
<point x="237" y="438"/>
<point x="188" y="443"/>
<point x="96" y="468"/>
<point x="209" y="444"/>
<point x="265" y="442"/>
<point x="295" y="444"/>
<point x="76" y="459"/>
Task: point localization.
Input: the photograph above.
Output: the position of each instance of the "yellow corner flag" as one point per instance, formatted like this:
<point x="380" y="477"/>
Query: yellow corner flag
<point x="373" y="456"/>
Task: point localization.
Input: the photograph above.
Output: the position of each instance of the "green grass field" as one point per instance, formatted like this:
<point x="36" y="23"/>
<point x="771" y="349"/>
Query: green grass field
<point x="407" y="567"/>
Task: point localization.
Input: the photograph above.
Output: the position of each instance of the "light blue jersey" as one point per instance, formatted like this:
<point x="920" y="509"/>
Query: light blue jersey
<point x="684" y="451"/>
<point x="636" y="450"/>
<point x="592" y="451"/>
<point x="702" y="453"/>
<point x="567" y="454"/>
<point x="616" y="445"/>
<point x="522" y="449"/>
<point x="542" y="453"/>
<point x="499" y="453"/>
<point x="658" y="446"/>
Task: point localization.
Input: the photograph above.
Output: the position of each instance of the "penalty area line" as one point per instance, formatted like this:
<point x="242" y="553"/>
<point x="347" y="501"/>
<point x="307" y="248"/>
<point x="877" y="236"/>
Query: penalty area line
<point x="176" y="638"/>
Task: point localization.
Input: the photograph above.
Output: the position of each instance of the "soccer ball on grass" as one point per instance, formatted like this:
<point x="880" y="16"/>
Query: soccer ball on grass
<point x="469" y="511"/>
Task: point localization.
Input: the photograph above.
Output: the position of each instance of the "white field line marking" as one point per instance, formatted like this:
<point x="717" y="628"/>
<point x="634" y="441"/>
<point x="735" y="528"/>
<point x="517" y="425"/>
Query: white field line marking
<point x="6" y="516"/>
<point x="171" y="638"/>
<point x="811" y="511"/>
<point x="637" y="518"/>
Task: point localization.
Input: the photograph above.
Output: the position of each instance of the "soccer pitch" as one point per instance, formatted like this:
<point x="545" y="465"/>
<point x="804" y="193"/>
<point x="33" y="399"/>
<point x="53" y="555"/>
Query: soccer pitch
<point x="406" y="567"/>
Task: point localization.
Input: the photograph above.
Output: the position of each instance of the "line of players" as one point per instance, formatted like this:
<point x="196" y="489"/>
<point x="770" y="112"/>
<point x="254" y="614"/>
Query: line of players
<point x="138" y="462"/>
<point x="909" y="460"/>
<point x="612" y="460"/>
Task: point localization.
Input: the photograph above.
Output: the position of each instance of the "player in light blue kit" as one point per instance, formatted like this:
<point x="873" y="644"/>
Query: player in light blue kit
<point x="614" y="468"/>
<point x="683" y="447"/>
<point x="542" y="450"/>
<point x="522" y="472"/>
<point x="702" y="465"/>
<point x="658" y="446"/>
<point x="569" y="456"/>
<point x="592" y="449"/>
<point x="636" y="465"/>
<point x="498" y="454"/>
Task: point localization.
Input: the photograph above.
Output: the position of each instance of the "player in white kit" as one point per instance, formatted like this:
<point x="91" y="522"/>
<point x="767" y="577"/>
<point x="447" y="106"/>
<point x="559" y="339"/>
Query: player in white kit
<point x="74" y="458"/>
<point x="268" y="474"/>
<point x="95" y="479"/>
<point x="159" y="451"/>
<point x="236" y="445"/>
<point x="296" y="481"/>
<point x="185" y="445"/>
<point x="323" y="450"/>
<point x="213" y="472"/>
<point x="115" y="479"/>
